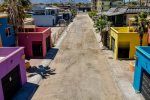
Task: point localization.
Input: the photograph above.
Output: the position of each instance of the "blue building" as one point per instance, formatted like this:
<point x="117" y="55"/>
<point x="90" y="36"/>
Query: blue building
<point x="6" y="32"/>
<point x="141" y="81"/>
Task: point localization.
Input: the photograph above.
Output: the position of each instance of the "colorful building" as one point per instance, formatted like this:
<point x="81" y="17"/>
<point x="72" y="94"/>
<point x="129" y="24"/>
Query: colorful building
<point x="105" y="5"/>
<point x="12" y="71"/>
<point x="37" y="41"/>
<point x="94" y="4"/>
<point x="6" y="32"/>
<point x="123" y="41"/>
<point x="141" y="81"/>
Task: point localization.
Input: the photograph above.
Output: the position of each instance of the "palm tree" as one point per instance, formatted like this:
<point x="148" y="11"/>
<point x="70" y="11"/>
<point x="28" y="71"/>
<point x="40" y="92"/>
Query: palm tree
<point x="15" y="10"/>
<point x="141" y="23"/>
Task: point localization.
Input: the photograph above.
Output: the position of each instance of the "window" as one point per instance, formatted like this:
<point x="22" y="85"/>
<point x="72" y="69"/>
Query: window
<point x="7" y="32"/>
<point x="52" y="12"/>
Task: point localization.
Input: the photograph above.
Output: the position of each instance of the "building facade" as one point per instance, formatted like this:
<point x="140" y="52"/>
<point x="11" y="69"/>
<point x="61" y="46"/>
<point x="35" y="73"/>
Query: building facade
<point x="6" y="32"/>
<point x="104" y="5"/>
<point x="45" y="16"/>
<point x="37" y="41"/>
<point x="144" y="2"/>
<point x="123" y="41"/>
<point x="12" y="71"/>
<point x="142" y="71"/>
<point x="94" y="5"/>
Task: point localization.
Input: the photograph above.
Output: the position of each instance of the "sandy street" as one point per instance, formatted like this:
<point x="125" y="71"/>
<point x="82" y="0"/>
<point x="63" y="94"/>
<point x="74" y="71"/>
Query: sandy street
<point x="82" y="71"/>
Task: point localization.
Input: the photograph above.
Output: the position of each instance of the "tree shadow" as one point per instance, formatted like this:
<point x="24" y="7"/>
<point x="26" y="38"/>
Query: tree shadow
<point x="26" y="92"/>
<point x="41" y="70"/>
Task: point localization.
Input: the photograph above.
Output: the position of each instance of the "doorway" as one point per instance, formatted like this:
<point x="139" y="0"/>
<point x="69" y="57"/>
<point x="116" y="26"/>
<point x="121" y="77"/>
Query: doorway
<point x="37" y="49"/>
<point x="123" y="52"/>
<point x="123" y="49"/>
<point x="11" y="83"/>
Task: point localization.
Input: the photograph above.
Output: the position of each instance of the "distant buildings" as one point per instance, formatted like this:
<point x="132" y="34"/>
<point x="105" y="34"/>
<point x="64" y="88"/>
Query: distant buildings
<point x="119" y="15"/>
<point x="144" y="2"/>
<point x="104" y="5"/>
<point x="94" y="4"/>
<point x="45" y="16"/>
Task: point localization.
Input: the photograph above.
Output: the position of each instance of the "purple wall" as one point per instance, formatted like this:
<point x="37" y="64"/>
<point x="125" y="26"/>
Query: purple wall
<point x="6" y="51"/>
<point x="25" y="39"/>
<point x="9" y="63"/>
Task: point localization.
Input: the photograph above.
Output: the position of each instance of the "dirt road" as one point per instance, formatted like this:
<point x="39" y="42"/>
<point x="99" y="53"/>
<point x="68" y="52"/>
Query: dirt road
<point x="82" y="71"/>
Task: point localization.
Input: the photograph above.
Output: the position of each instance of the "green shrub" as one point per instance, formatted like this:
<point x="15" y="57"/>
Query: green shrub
<point x="92" y="13"/>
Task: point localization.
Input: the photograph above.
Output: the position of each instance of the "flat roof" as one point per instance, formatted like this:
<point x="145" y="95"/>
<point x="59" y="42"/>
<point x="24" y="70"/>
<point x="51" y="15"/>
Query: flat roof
<point x="6" y="52"/>
<point x="125" y="10"/>
<point x="120" y="30"/>
<point x="145" y="50"/>
<point x="34" y="30"/>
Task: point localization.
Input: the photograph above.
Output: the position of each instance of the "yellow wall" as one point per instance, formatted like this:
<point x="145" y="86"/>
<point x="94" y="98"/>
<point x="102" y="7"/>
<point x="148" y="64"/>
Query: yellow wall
<point x="122" y="39"/>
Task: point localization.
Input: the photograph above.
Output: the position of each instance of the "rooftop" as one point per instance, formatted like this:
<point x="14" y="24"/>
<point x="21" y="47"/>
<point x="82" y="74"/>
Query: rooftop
<point x="144" y="50"/>
<point x="6" y="52"/>
<point x="123" y="30"/>
<point x="125" y="10"/>
<point x="42" y="7"/>
<point x="33" y="30"/>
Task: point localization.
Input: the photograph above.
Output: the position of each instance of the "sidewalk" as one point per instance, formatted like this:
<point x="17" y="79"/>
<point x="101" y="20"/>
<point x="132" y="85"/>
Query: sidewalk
<point x="39" y="70"/>
<point x="122" y="76"/>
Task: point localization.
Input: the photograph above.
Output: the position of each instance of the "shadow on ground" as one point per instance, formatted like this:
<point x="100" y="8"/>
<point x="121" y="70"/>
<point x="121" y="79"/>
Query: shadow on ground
<point x="26" y="92"/>
<point x="52" y="53"/>
<point x="41" y="70"/>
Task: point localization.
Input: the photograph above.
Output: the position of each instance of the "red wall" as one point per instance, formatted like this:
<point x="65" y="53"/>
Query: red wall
<point x="25" y="39"/>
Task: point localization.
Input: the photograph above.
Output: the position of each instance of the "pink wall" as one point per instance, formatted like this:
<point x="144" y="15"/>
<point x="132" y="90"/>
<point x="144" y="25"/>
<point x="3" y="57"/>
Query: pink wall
<point x="26" y="39"/>
<point x="10" y="63"/>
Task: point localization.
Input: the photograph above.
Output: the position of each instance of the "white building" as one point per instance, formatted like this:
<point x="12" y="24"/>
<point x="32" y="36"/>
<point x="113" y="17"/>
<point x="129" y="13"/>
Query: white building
<point x="45" y="16"/>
